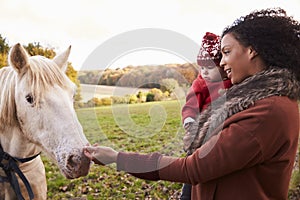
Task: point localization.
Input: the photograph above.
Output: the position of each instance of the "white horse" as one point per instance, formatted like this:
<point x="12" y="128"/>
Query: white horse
<point x="37" y="114"/>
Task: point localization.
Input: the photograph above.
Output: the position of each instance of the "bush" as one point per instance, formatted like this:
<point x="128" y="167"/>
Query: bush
<point x="158" y="94"/>
<point x="166" y="95"/>
<point x="106" y="101"/>
<point x="119" y="100"/>
<point x="142" y="97"/>
<point x="168" y="84"/>
<point x="133" y="99"/>
<point x="150" y="97"/>
<point x="94" y="102"/>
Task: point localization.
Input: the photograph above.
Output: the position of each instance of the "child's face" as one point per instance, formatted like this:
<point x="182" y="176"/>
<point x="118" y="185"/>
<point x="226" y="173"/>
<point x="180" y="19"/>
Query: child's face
<point x="212" y="73"/>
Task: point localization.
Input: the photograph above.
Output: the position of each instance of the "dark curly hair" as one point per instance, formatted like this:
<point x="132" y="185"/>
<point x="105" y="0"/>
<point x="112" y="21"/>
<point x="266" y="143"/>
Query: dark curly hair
<point x="273" y="34"/>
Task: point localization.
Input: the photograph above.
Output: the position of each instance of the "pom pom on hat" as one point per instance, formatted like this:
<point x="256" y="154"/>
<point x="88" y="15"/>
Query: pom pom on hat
<point x="209" y="53"/>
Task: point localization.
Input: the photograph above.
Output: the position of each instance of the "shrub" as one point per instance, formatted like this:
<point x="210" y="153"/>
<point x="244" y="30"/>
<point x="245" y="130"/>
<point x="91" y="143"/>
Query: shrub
<point x="142" y="97"/>
<point x="94" y="102"/>
<point x="168" y="84"/>
<point x="106" y="101"/>
<point x="119" y="100"/>
<point x="149" y="97"/>
<point x="158" y="94"/>
<point x="133" y="99"/>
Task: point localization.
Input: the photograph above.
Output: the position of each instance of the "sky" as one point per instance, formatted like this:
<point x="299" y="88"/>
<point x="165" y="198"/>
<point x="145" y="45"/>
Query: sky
<point x="87" y="25"/>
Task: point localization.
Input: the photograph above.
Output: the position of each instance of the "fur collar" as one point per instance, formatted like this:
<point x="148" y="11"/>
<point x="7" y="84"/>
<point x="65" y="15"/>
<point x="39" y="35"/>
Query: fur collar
<point x="271" y="82"/>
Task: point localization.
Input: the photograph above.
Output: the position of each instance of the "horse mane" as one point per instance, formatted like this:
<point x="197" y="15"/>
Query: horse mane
<point x="42" y="73"/>
<point x="7" y="98"/>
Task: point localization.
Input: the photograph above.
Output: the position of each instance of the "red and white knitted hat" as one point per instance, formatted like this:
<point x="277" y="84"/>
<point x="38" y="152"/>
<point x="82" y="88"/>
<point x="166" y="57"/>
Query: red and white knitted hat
<point x="209" y="53"/>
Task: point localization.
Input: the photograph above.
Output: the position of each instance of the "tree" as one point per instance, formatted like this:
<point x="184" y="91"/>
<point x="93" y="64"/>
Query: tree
<point x="72" y="74"/>
<point x="4" y="49"/>
<point x="3" y="60"/>
<point x="37" y="49"/>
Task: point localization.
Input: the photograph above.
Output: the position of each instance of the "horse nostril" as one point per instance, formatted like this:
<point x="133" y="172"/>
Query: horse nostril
<point x="72" y="161"/>
<point x="77" y="165"/>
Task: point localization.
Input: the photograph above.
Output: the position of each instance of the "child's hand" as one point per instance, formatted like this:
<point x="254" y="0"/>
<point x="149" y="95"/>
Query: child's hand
<point x="101" y="155"/>
<point x="187" y="126"/>
<point x="188" y="138"/>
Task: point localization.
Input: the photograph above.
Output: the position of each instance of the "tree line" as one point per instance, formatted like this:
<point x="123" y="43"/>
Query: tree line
<point x="146" y="76"/>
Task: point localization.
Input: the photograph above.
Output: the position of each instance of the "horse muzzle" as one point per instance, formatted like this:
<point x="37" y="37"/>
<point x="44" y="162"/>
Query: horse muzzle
<point x="75" y="164"/>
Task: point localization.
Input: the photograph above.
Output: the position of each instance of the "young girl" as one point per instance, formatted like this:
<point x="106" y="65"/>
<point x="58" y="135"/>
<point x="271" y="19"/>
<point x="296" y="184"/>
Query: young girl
<point x="211" y="82"/>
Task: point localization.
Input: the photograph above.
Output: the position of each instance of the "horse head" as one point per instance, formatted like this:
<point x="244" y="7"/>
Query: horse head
<point x="44" y="109"/>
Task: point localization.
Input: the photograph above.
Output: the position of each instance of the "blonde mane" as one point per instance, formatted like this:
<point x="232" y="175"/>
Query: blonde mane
<point x="7" y="98"/>
<point x="40" y="76"/>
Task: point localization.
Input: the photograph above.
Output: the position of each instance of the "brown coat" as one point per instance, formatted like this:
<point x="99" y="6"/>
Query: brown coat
<point x="251" y="159"/>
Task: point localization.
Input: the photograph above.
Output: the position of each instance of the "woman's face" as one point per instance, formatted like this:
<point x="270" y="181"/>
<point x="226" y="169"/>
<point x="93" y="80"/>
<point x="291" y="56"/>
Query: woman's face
<point x="236" y="59"/>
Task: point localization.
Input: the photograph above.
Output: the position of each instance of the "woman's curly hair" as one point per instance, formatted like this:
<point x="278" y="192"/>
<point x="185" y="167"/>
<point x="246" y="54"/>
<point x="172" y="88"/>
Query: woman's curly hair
<point x="273" y="34"/>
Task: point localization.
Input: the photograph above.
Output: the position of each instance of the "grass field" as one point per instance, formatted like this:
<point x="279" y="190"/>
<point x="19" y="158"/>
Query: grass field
<point x="146" y="127"/>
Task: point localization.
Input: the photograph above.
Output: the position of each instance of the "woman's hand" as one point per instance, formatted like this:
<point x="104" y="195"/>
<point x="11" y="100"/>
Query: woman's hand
<point x="101" y="155"/>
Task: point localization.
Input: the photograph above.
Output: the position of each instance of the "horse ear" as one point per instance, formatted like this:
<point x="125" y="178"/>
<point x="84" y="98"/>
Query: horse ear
<point x="62" y="59"/>
<point x="18" y="58"/>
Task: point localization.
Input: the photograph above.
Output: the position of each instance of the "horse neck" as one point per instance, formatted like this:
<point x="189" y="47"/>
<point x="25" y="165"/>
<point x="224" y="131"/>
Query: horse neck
<point x="14" y="143"/>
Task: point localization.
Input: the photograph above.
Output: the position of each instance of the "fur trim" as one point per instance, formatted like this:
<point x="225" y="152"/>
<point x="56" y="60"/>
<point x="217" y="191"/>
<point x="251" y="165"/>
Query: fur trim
<point x="272" y="82"/>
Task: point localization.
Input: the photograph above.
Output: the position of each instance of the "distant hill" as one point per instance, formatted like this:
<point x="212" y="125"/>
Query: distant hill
<point x="146" y="76"/>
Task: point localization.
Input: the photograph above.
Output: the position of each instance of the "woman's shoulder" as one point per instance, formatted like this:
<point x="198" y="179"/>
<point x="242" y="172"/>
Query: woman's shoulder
<point x="276" y="114"/>
<point x="281" y="103"/>
<point x="276" y="109"/>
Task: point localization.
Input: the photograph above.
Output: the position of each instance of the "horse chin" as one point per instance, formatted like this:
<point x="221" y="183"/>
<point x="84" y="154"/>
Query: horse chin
<point x="76" y="164"/>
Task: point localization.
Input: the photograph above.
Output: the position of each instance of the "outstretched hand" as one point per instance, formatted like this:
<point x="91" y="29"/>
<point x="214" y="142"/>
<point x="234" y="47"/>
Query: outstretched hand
<point x="101" y="155"/>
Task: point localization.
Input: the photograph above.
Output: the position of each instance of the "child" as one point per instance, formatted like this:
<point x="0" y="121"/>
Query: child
<point x="208" y="86"/>
<point x="210" y="83"/>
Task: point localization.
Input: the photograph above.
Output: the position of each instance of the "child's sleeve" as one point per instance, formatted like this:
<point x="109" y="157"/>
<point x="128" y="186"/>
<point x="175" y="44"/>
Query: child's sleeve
<point x="191" y="108"/>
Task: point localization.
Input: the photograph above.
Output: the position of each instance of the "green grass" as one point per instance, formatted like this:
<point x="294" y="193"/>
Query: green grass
<point x="144" y="128"/>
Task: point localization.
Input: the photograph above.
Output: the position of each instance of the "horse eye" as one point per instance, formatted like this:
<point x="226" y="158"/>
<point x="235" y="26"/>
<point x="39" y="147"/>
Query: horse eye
<point x="29" y="98"/>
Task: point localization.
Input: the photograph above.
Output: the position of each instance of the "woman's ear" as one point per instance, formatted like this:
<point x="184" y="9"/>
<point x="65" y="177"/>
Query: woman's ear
<point x="252" y="53"/>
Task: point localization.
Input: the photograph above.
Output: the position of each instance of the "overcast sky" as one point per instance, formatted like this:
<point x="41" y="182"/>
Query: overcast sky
<point x="86" y="24"/>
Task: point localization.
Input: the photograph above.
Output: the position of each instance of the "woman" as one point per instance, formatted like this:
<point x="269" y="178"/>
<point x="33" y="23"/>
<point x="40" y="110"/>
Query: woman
<point x="245" y="147"/>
